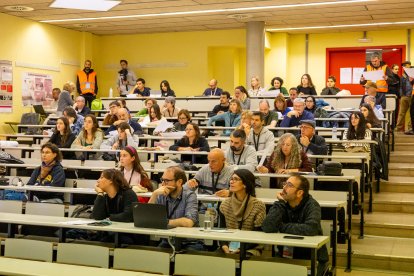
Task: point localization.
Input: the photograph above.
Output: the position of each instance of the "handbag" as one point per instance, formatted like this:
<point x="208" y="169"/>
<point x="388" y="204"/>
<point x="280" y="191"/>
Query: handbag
<point x="330" y="168"/>
<point x="9" y="159"/>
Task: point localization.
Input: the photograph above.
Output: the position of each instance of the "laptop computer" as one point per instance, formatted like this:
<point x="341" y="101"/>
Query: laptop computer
<point x="150" y="215"/>
<point x="39" y="110"/>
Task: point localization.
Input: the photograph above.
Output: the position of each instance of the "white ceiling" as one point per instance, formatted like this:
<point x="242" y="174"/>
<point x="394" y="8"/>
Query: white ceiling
<point x="341" y="14"/>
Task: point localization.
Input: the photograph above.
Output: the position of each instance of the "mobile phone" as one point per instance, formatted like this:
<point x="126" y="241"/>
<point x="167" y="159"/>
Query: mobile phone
<point x="294" y="237"/>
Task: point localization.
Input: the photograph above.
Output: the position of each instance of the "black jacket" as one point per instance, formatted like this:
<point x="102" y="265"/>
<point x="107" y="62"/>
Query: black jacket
<point x="118" y="208"/>
<point x="304" y="219"/>
<point x="201" y="143"/>
<point x="317" y="145"/>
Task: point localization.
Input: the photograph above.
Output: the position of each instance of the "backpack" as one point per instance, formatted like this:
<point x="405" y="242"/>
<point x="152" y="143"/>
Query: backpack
<point x="97" y="104"/>
<point x="320" y="113"/>
<point x="30" y="119"/>
<point x="82" y="211"/>
<point x="9" y="159"/>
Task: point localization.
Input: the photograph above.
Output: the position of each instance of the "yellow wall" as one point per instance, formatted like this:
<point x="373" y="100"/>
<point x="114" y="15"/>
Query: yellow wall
<point x="188" y="60"/>
<point x="36" y="43"/>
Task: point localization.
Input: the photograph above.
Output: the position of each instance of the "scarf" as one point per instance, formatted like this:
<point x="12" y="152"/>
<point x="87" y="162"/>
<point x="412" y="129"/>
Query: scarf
<point x="238" y="207"/>
<point x="45" y="170"/>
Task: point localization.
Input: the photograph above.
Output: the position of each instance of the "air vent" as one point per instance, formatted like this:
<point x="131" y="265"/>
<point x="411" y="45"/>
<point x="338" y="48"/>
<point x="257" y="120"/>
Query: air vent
<point x="84" y="26"/>
<point x="239" y="16"/>
<point x="18" y="8"/>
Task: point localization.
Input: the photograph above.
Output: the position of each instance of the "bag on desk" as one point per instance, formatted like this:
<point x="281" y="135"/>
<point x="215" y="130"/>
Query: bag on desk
<point x="330" y="168"/>
<point x="82" y="211"/>
<point x="9" y="159"/>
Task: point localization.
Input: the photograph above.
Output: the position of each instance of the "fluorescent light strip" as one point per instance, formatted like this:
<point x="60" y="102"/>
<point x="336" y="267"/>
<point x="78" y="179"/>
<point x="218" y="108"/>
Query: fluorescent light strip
<point x="340" y="26"/>
<point x="208" y="11"/>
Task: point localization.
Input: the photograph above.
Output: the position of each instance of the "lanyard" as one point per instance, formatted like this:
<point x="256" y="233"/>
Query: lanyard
<point x="256" y="145"/>
<point x="132" y="172"/>
<point x="170" y="214"/>
<point x="240" y="155"/>
<point x="244" y="211"/>
<point x="215" y="182"/>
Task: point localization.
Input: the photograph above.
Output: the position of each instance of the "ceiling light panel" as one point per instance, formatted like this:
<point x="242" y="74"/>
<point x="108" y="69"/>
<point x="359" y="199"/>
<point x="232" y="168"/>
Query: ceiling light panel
<point x="92" y="5"/>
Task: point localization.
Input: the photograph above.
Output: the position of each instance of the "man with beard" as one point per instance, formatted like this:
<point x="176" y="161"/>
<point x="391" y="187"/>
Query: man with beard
<point x="87" y="83"/>
<point x="240" y="155"/>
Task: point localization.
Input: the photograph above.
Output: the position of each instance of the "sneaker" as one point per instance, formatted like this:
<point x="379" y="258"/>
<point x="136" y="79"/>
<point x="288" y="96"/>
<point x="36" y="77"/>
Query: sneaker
<point x="410" y="132"/>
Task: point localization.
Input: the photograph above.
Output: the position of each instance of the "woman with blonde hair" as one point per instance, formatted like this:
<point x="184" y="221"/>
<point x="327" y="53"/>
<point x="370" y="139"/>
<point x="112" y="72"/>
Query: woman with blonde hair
<point x="246" y="121"/>
<point x="255" y="89"/>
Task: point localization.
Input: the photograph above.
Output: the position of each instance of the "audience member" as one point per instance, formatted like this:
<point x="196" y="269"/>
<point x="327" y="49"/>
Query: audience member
<point x="148" y="103"/>
<point x="357" y="130"/>
<point x="140" y="89"/>
<point x="154" y="116"/>
<point x="405" y="102"/>
<point x="231" y="118"/>
<point x="192" y="141"/>
<point x="50" y="173"/>
<point x="184" y="118"/>
<point x="330" y="88"/>
<point x="246" y="121"/>
<point x="112" y="115"/>
<point x="242" y="210"/>
<point x="270" y="117"/>
<point x="287" y="157"/>
<point x="114" y="197"/>
<point x="306" y="86"/>
<point x="126" y="79"/>
<point x="213" y="90"/>
<point x="260" y="138"/>
<point x="280" y="105"/>
<point x="55" y="98"/>
<point x="214" y="177"/>
<point x="123" y="104"/>
<point x="80" y="106"/>
<point x="379" y="112"/>
<point x="293" y="94"/>
<point x="169" y="108"/>
<point x="223" y="106"/>
<point x="166" y="90"/>
<point x="239" y="154"/>
<point x="75" y="120"/>
<point x="124" y="117"/>
<point x="240" y="93"/>
<point x="63" y="137"/>
<point x="121" y="139"/>
<point x="91" y="136"/>
<point x="310" y="142"/>
<point x="297" y="213"/>
<point x="256" y="89"/>
<point x="371" y="90"/>
<point x="310" y="104"/>
<point x="370" y="117"/>
<point x="87" y="83"/>
<point x="277" y="84"/>
<point x="298" y="113"/>
<point x="64" y="99"/>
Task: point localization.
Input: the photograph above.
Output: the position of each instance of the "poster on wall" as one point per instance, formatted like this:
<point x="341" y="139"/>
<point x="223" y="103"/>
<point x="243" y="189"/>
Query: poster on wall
<point x="36" y="89"/>
<point x="345" y="75"/>
<point x="6" y="86"/>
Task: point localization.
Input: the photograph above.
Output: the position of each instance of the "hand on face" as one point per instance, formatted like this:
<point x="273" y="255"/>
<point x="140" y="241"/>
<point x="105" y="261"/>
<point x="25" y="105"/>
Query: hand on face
<point x="304" y="140"/>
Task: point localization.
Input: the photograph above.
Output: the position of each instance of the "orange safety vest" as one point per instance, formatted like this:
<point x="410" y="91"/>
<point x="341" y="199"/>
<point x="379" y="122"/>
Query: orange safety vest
<point x="84" y="80"/>
<point x="382" y="85"/>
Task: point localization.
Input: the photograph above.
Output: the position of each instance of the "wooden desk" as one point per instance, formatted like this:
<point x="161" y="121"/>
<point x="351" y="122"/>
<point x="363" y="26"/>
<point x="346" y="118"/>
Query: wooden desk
<point x="11" y="266"/>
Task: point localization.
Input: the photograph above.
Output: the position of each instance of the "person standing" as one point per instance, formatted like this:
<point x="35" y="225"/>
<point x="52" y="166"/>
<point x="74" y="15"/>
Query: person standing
<point x="87" y="83"/>
<point x="406" y="90"/>
<point x="126" y="79"/>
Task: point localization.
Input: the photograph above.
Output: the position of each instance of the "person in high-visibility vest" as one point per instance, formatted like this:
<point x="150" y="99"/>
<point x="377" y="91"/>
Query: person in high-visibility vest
<point x="87" y="83"/>
<point x="377" y="64"/>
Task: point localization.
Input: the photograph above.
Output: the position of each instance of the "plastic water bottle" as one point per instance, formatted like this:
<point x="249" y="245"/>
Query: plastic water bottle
<point x="111" y="91"/>
<point x="334" y="133"/>
<point x="207" y="220"/>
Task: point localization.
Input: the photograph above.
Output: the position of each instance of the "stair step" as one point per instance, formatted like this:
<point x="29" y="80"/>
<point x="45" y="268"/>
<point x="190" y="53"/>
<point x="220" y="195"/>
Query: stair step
<point x="401" y="169"/>
<point x="385" y="224"/>
<point x="404" y="146"/>
<point x="402" y="138"/>
<point x="374" y="252"/>
<point x="398" y="184"/>
<point x="393" y="202"/>
<point x="401" y="156"/>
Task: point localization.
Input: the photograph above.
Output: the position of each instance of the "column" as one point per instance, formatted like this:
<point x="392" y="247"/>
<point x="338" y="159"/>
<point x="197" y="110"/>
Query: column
<point x="255" y="39"/>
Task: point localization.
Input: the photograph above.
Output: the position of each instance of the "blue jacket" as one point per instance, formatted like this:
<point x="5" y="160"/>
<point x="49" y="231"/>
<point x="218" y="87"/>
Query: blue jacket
<point x="406" y="87"/>
<point x="230" y="120"/>
<point x="207" y="92"/>
<point x="294" y="121"/>
<point x="56" y="178"/>
<point x="135" y="126"/>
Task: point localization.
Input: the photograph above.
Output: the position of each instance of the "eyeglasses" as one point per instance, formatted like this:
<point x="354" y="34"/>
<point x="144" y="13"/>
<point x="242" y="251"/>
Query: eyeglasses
<point x="305" y="127"/>
<point x="309" y="101"/>
<point x="164" y="180"/>
<point x="235" y="179"/>
<point x="290" y="185"/>
<point x="182" y="118"/>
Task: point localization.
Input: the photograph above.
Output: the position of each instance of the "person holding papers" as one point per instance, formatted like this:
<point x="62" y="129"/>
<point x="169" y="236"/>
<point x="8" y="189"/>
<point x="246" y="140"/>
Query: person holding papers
<point x="242" y="210"/>
<point x="231" y="118"/>
<point x="260" y="138"/>
<point x="181" y="204"/>
<point x="296" y="212"/>
<point x="298" y="113"/>
<point x="192" y="141"/>
<point x="377" y="65"/>
<point x="213" y="178"/>
<point x="239" y="154"/>
<point x="114" y="197"/>
<point x="50" y="173"/>
<point x="277" y="84"/>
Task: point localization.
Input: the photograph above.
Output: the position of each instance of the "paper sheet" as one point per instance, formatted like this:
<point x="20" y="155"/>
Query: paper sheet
<point x="356" y="74"/>
<point x="76" y="222"/>
<point x="410" y="72"/>
<point x="373" y="75"/>
<point x="264" y="155"/>
<point x="177" y="134"/>
<point x="345" y="75"/>
<point x="163" y="126"/>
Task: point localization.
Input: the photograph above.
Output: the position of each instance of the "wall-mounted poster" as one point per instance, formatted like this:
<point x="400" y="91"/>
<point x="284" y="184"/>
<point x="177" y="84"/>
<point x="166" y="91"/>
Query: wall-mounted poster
<point x="36" y="89"/>
<point x="6" y="86"/>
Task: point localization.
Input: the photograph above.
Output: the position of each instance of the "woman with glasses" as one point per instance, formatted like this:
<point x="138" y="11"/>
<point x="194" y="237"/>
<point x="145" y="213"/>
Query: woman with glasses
<point x="287" y="157"/>
<point x="310" y="104"/>
<point x="280" y="105"/>
<point x="192" y="141"/>
<point x="184" y="118"/>
<point x="50" y="173"/>
<point x="357" y="130"/>
<point x="242" y="210"/>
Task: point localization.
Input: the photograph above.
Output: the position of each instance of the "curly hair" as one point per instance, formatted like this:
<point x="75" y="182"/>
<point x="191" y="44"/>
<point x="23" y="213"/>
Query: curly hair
<point x="295" y="160"/>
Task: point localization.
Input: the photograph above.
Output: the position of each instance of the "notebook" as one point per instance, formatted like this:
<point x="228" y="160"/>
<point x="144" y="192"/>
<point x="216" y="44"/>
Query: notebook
<point x="150" y="215"/>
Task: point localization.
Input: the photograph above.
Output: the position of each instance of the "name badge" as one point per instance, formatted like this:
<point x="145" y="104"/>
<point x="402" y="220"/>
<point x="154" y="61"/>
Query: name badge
<point x="88" y="85"/>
